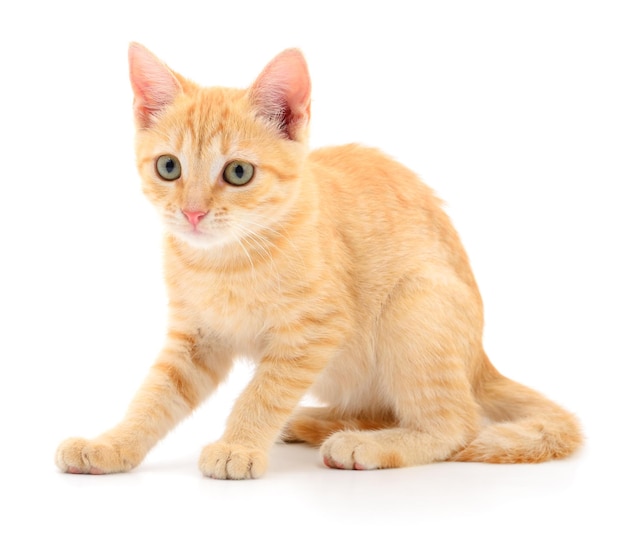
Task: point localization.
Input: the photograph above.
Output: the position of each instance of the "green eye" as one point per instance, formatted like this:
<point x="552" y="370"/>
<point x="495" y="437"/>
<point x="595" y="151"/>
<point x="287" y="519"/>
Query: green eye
<point x="238" y="173"/>
<point x="168" y="167"/>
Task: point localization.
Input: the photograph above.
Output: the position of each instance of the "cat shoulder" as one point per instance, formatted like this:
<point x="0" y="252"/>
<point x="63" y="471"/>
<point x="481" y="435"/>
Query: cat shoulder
<point x="369" y="168"/>
<point x="352" y="153"/>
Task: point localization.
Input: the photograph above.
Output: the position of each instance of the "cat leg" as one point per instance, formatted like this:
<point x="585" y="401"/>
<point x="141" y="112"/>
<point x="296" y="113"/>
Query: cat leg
<point x="313" y="425"/>
<point x="260" y="412"/>
<point x="433" y="424"/>
<point x="186" y="371"/>
<point x="436" y="416"/>
<point x="423" y="376"/>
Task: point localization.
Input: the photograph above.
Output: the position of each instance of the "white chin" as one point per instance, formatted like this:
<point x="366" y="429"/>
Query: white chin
<point x="200" y="240"/>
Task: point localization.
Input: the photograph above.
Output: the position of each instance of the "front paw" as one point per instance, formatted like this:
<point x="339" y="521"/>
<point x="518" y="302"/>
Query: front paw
<point x="232" y="461"/>
<point x="98" y="456"/>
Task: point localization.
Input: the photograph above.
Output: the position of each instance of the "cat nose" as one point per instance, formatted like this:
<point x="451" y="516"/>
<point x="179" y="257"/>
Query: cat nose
<point x="194" y="216"/>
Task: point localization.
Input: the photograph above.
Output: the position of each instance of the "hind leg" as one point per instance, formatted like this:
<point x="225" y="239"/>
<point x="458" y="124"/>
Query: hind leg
<point x="436" y="418"/>
<point x="314" y="425"/>
<point x="422" y="348"/>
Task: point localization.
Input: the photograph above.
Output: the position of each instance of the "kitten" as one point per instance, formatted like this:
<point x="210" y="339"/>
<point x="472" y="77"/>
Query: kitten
<point x="335" y="270"/>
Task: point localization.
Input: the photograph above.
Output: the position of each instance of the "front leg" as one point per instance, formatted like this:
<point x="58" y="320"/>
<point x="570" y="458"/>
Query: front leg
<point x="186" y="371"/>
<point x="259" y="414"/>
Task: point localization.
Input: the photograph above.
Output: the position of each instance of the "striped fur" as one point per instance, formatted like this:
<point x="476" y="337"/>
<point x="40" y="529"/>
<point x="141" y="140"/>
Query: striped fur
<point x="336" y="271"/>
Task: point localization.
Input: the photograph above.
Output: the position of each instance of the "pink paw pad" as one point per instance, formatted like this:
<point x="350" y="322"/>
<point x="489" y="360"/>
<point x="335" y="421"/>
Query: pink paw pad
<point x="92" y="470"/>
<point x="332" y="464"/>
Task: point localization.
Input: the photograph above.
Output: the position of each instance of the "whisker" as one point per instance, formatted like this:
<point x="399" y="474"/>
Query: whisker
<point x="246" y="252"/>
<point x="260" y="244"/>
<point x="276" y="232"/>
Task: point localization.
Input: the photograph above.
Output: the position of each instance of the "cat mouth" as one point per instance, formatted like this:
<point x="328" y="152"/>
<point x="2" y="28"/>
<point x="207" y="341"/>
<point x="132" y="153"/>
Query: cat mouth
<point x="198" y="237"/>
<point x="194" y="232"/>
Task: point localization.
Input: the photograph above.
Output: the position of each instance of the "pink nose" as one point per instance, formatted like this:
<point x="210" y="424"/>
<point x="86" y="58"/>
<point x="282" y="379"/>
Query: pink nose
<point x="194" y="216"/>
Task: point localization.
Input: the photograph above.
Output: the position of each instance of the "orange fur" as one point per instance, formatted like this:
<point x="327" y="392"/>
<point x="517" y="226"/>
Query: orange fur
<point x="335" y="270"/>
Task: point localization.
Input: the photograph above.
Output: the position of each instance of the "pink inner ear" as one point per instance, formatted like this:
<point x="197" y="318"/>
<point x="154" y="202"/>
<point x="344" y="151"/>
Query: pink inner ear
<point x="283" y="93"/>
<point x="154" y="85"/>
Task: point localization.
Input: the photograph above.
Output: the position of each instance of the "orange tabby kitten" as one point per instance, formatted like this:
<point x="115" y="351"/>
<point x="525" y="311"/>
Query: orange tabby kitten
<point x="335" y="270"/>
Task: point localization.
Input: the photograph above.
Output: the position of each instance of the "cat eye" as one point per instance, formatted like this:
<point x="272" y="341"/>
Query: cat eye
<point x="168" y="167"/>
<point x="238" y="173"/>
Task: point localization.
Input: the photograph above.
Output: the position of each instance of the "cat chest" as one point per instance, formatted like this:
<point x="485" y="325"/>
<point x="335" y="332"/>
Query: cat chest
<point x="232" y="309"/>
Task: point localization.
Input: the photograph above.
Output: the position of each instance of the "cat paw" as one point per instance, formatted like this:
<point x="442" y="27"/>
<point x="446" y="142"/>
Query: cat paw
<point x="232" y="461"/>
<point x="358" y="451"/>
<point x="98" y="456"/>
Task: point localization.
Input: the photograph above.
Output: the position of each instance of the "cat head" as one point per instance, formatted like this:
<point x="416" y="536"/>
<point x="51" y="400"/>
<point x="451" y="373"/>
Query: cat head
<point x="221" y="165"/>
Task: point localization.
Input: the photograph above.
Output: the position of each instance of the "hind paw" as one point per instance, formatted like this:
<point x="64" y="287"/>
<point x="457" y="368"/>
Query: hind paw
<point x="358" y="451"/>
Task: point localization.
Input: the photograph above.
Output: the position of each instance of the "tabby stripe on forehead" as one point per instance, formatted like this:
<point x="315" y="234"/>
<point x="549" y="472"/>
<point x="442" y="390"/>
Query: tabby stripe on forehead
<point x="202" y="132"/>
<point x="194" y="127"/>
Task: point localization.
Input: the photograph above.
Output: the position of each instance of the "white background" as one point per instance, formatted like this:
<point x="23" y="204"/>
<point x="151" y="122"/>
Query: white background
<point x="513" y="111"/>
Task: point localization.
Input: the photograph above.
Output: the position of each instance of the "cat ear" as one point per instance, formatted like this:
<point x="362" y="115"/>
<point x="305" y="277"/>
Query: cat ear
<point x="154" y="85"/>
<point x="282" y="94"/>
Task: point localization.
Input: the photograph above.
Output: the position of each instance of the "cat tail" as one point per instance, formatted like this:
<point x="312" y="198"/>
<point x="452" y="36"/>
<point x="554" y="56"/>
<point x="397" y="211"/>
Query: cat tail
<point x="524" y="427"/>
